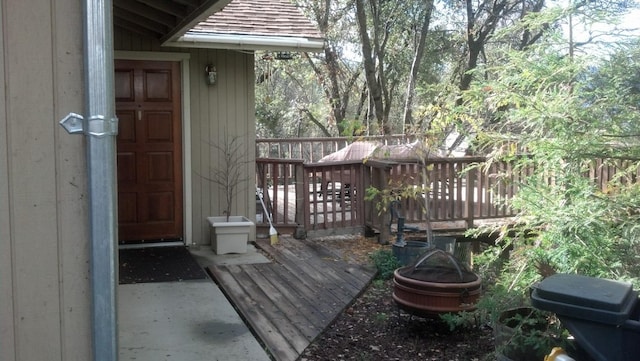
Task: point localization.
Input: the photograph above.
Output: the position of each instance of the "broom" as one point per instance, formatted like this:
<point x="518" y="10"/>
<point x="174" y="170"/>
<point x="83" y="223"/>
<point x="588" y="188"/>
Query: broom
<point x="273" y="234"/>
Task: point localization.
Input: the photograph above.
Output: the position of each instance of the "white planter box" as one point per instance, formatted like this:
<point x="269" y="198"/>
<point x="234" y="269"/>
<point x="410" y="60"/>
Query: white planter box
<point x="230" y="236"/>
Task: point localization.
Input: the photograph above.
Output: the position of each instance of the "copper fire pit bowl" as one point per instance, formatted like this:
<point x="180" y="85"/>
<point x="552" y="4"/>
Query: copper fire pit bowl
<point x="436" y="283"/>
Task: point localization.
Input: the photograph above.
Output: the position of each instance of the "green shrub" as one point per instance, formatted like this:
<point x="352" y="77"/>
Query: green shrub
<point x="385" y="262"/>
<point x="563" y="126"/>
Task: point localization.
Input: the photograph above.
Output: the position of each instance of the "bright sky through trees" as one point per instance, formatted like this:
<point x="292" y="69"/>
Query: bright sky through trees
<point x="600" y="35"/>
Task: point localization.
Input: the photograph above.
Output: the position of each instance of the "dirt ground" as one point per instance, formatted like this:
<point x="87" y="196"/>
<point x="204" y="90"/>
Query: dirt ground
<point x="373" y="328"/>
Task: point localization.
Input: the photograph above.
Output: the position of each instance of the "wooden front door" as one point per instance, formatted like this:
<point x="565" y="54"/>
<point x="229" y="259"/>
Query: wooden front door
<point x="149" y="150"/>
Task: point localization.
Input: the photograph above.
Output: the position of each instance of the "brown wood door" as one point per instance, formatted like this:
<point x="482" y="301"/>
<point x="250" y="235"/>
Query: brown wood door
<point x="149" y="150"/>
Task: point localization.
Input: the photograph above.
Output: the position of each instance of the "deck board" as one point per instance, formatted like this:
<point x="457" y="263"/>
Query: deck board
<point x="290" y="301"/>
<point x="305" y="284"/>
<point x="318" y="312"/>
<point x="259" y="322"/>
<point x="319" y="257"/>
<point x="268" y="306"/>
<point x="312" y="274"/>
<point x="280" y="303"/>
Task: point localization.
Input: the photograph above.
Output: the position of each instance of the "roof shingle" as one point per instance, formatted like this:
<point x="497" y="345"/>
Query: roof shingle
<point x="261" y="18"/>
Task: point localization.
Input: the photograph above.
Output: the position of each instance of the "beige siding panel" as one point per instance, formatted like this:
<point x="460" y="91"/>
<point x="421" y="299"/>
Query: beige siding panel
<point x="200" y="106"/>
<point x="71" y="186"/>
<point x="31" y="168"/>
<point x="214" y="111"/>
<point x="242" y="127"/>
<point x="225" y="110"/>
<point x="43" y="231"/>
<point x="7" y="350"/>
<point x="251" y="126"/>
<point x="125" y="40"/>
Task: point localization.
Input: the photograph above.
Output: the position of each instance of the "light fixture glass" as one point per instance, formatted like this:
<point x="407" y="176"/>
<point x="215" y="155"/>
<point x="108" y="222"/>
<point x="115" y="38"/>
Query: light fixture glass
<point x="211" y="74"/>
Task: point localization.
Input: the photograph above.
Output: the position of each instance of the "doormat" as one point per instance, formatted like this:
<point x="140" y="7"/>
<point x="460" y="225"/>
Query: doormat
<point x="158" y="264"/>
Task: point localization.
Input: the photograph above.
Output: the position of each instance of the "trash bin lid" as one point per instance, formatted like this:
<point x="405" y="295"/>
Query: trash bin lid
<point x="591" y="298"/>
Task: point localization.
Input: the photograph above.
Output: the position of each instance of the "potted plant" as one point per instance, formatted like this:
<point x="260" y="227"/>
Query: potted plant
<point x="521" y="331"/>
<point x="230" y="233"/>
<point x="527" y="334"/>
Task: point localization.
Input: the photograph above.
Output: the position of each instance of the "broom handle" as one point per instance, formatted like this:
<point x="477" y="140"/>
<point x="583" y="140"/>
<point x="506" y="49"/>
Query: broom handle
<point x="264" y="208"/>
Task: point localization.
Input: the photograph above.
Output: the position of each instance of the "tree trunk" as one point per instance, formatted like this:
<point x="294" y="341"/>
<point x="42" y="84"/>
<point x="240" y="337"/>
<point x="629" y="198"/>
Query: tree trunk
<point x="336" y="89"/>
<point x="315" y="121"/>
<point x="369" y="64"/>
<point x="415" y="65"/>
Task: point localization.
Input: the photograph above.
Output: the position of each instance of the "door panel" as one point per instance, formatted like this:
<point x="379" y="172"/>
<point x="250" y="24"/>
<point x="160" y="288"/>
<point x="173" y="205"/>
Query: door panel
<point x="149" y="151"/>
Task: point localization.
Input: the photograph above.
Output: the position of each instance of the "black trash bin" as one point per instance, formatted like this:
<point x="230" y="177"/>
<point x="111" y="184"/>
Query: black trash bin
<point x="601" y="314"/>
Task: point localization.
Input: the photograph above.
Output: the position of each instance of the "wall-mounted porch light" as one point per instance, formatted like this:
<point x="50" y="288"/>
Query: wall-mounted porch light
<point x="284" y="55"/>
<point x="211" y="74"/>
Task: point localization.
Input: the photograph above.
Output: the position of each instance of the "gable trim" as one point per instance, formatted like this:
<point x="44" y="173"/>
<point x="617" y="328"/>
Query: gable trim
<point x="247" y="42"/>
<point x="200" y="14"/>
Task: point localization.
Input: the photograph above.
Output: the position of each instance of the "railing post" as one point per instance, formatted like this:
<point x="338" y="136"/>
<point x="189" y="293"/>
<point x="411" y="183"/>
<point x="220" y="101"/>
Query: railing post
<point x="385" y="219"/>
<point x="379" y="175"/>
<point x="306" y="212"/>
<point x="302" y="190"/>
<point x="471" y="186"/>
<point x="367" y="176"/>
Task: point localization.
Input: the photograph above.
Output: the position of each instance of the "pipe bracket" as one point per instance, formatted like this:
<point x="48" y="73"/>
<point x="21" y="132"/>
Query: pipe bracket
<point x="73" y="123"/>
<point x="97" y="125"/>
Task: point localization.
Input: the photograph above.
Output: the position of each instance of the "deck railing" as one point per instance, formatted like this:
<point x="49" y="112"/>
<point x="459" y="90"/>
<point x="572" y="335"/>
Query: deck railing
<point x="335" y="194"/>
<point x="279" y="182"/>
<point x="310" y="197"/>
<point x="457" y="193"/>
<point x="329" y="197"/>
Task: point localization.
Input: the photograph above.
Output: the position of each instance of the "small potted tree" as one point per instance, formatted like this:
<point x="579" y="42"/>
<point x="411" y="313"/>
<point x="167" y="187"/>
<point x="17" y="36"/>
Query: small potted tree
<point x="230" y="233"/>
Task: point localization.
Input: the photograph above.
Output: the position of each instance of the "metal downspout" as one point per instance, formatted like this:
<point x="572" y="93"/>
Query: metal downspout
<point x="100" y="128"/>
<point x="101" y="157"/>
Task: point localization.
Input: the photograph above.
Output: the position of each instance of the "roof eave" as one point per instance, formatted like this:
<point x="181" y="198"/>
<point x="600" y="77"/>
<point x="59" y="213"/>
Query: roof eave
<point x="248" y="42"/>
<point x="206" y="9"/>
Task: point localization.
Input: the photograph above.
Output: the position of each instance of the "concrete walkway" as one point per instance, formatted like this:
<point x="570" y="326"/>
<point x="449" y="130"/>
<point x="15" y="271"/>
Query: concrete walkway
<point x="185" y="321"/>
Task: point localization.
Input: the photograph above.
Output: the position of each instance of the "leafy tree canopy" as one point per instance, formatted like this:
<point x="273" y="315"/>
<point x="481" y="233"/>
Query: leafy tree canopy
<point x="330" y="93"/>
<point x="569" y="124"/>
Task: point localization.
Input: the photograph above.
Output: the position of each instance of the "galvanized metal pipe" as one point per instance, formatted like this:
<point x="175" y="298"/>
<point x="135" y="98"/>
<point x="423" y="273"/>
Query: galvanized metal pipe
<point x="100" y="128"/>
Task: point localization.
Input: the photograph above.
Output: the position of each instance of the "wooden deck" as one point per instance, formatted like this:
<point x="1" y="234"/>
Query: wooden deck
<point x="290" y="301"/>
<point x="300" y="198"/>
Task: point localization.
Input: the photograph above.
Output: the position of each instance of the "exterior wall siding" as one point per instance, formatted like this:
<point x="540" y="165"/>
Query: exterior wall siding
<point x="224" y="109"/>
<point x="44" y="259"/>
<point x="7" y="329"/>
<point x="45" y="309"/>
<point x="213" y="111"/>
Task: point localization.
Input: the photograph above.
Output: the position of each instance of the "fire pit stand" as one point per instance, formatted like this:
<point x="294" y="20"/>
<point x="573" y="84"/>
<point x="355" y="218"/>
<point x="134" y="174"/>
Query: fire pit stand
<point x="436" y="283"/>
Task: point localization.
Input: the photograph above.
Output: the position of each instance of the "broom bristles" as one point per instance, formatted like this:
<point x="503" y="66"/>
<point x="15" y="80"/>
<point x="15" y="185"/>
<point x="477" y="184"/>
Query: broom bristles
<point x="273" y="235"/>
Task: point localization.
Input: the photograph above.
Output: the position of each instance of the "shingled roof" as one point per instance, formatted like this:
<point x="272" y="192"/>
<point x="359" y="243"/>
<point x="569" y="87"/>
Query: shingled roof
<point x="256" y="25"/>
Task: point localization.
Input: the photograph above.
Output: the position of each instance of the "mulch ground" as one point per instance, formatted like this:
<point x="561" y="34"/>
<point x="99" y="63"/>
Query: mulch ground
<point x="373" y="328"/>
